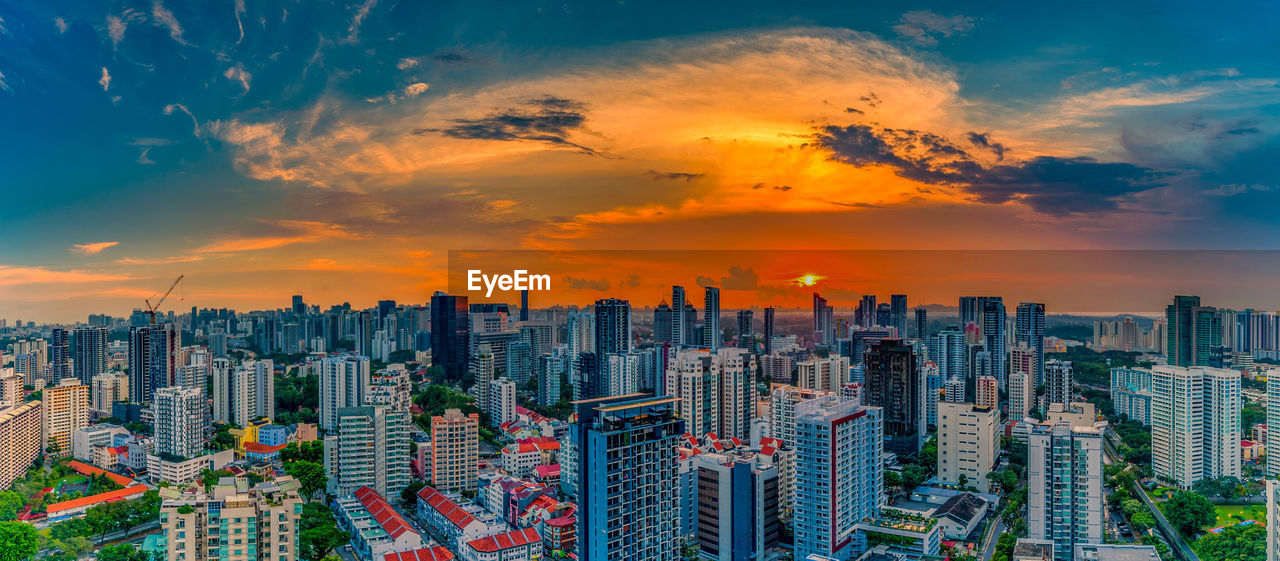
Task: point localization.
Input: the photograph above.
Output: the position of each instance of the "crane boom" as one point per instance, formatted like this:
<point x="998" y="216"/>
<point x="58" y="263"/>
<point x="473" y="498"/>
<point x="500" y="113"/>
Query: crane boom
<point x="151" y="309"/>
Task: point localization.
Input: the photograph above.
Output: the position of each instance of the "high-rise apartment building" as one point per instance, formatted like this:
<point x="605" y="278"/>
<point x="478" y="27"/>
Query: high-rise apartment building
<point x="662" y="318"/>
<point x="21" y="440"/>
<point x="1022" y="396"/>
<point x="502" y="401"/>
<point x="180" y="422"/>
<point x="1057" y="380"/>
<point x="1195" y="333"/>
<point x="947" y="350"/>
<point x="153" y="360"/>
<point x="679" y="329"/>
<point x="11" y="394"/>
<point x="455" y="452"/>
<point x="90" y="353"/>
<point x="108" y="388"/>
<point x="344" y="379"/>
<point x="839" y="474"/>
<point x="370" y="448"/>
<point x="1029" y="331"/>
<point x="824" y="329"/>
<point x="1131" y="393"/>
<point x="898" y="314"/>
<point x="746" y="331"/>
<point x="1064" y="486"/>
<point x="892" y="381"/>
<point x="66" y="408"/>
<point x="968" y="444"/>
<point x="483" y="371"/>
<point x="986" y="393"/>
<point x="993" y="335"/>
<point x="768" y="330"/>
<point x="612" y="326"/>
<point x="59" y="355"/>
<point x="829" y="374"/>
<point x="737" y="508"/>
<point x="711" y="338"/>
<point x="261" y="524"/>
<point x="1273" y="420"/>
<point x="714" y="392"/>
<point x="450" y="330"/>
<point x="922" y="324"/>
<point x="1195" y="423"/>
<point x="626" y="450"/>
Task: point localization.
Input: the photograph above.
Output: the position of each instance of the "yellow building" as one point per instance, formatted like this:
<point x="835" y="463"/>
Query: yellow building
<point x="20" y="440"/>
<point x="66" y="408"/>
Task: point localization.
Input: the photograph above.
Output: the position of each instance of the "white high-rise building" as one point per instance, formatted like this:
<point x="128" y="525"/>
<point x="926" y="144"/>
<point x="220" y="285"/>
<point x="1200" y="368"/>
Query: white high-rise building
<point x="369" y="448"/>
<point x="108" y="388"/>
<point x="502" y="401"/>
<point x="180" y="421"/>
<point x="1064" y="486"/>
<point x="715" y="390"/>
<point x="66" y="408"/>
<point x="1022" y="396"/>
<point x="968" y="444"/>
<point x="839" y="475"/>
<point x="622" y="373"/>
<point x="827" y="374"/>
<point x="252" y="392"/>
<point x="1195" y="423"/>
<point x="220" y="372"/>
<point x="1057" y="374"/>
<point x="482" y="371"/>
<point x="1273" y="420"/>
<point x="782" y="410"/>
<point x="11" y="389"/>
<point x="1273" y="514"/>
<point x="343" y="381"/>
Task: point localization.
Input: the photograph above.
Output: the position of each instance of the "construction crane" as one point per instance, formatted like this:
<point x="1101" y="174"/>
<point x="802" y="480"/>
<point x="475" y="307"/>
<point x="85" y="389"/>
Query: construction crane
<point x="151" y="309"/>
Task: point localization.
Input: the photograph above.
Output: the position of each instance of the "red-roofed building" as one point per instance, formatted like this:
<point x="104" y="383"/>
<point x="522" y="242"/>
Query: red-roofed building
<point x="438" y="553"/>
<point x="376" y="529"/>
<point x="77" y="507"/>
<point x="559" y="534"/>
<point x="453" y="523"/>
<point x="258" y="452"/>
<point x="548" y="475"/>
<point x="521" y="458"/>
<point x="516" y="545"/>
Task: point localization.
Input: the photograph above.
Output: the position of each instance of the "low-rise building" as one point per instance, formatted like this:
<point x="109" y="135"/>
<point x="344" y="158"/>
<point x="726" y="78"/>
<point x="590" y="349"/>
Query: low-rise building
<point x="376" y="529"/>
<point x="451" y="522"/>
<point x="960" y="515"/>
<point x="516" y="545"/>
<point x="181" y="472"/>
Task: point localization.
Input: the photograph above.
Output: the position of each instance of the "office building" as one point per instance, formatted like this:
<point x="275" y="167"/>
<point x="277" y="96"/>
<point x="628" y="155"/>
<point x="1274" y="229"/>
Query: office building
<point x="66" y="408"/>
<point x="1022" y="396"/>
<point x="233" y="524"/>
<point x="1029" y="331"/>
<point x="662" y="318"/>
<point x="679" y="329"/>
<point x="91" y="353"/>
<point x="892" y="381"/>
<point x="922" y="324"/>
<point x="612" y="326"/>
<point x="108" y="388"/>
<point x="993" y="338"/>
<point x="1194" y="332"/>
<point x="450" y="330"/>
<point x="344" y="379"/>
<point x="625" y="476"/>
<point x="823" y="322"/>
<point x="737" y="508"/>
<point x="21" y="440"/>
<point x="768" y="330"/>
<point x="180" y="422"/>
<point x="370" y="448"/>
<point x="1195" y="423"/>
<point x="839" y="474"/>
<point x="455" y="450"/>
<point x="711" y="336"/>
<point x="986" y="394"/>
<point x="898" y="314"/>
<point x="746" y="331"/>
<point x="1057" y="380"/>
<point x="153" y="356"/>
<point x="968" y="444"/>
<point x="1064" y="486"/>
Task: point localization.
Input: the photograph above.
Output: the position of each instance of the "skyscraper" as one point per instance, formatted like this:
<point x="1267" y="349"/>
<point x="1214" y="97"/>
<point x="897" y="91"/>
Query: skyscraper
<point x="366" y="324"/>
<point x="922" y="324"/>
<point x="823" y="323"/>
<point x="985" y="392"/>
<point x="450" y="327"/>
<point x="91" y="353"/>
<point x="679" y="331"/>
<point x="892" y="382"/>
<point x="1195" y="423"/>
<point x="343" y="382"/>
<point x="711" y="338"/>
<point x="993" y="334"/>
<point x="153" y="356"/>
<point x="66" y="408"/>
<point x="737" y="508"/>
<point x="1064" y="486"/>
<point x="1029" y="331"/>
<point x="841" y="475"/>
<point x="1057" y="374"/>
<point x="626" y="473"/>
<point x="746" y="331"/>
<point x="1179" y="326"/>
<point x="524" y="305"/>
<point x="768" y="330"/>
<point x="455" y="455"/>
<point x="180" y="422"/>
<point x="947" y="350"/>
<point x="898" y="313"/>
<point x="299" y="307"/>
<point x="1273" y="420"/>
<point x="1022" y="396"/>
<point x="613" y="326"/>
<point x="59" y="355"/>
<point x="662" y="318"/>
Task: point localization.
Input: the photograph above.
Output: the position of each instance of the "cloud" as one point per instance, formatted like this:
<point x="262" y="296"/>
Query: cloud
<point x="19" y="276"/>
<point x="983" y="140"/>
<point x="105" y="80"/>
<point x="237" y="73"/>
<point x="92" y="248"/>
<point x="61" y="24"/>
<point x="142" y="157"/>
<point x="1048" y="184"/>
<point x="587" y="284"/>
<point x="279" y="234"/>
<point x="1233" y="189"/>
<point x="116" y="25"/>
<point x="353" y="30"/>
<point x="178" y="107"/>
<point x="673" y="175"/>
<point x="925" y="27"/>
<point x="415" y="89"/>
<point x="406" y="63"/>
<point x="740" y="278"/>
<point x="164" y="18"/>
<point x="548" y="120"/>
<point x="239" y="10"/>
<point x="159" y="260"/>
<point x="704" y="281"/>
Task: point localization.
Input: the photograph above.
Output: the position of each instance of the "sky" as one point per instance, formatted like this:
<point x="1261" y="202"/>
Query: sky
<point x="341" y="150"/>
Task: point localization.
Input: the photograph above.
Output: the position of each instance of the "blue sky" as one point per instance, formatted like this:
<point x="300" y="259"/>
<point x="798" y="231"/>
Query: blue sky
<point x="270" y="147"/>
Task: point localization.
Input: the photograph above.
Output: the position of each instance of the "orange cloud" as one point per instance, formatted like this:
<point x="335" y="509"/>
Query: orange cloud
<point x="92" y="248"/>
<point x="292" y="232"/>
<point x="18" y="276"/>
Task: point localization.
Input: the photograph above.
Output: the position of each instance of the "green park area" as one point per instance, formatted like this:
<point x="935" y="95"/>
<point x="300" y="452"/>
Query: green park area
<point x="1235" y="514"/>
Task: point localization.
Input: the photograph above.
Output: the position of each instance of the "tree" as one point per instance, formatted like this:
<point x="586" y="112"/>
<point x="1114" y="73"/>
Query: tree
<point x="1189" y="512"/>
<point x="18" y="541"/>
<point x="409" y="495"/>
<point x="311" y="451"/>
<point x="11" y="502"/>
<point x="1131" y="507"/>
<point x="1007" y="479"/>
<point x="913" y="476"/>
<point x="310" y="475"/>
<point x="122" y="552"/>
<point x="892" y="480"/>
<point x="1142" y="521"/>
<point x="1234" y="543"/>
<point x="318" y="532"/>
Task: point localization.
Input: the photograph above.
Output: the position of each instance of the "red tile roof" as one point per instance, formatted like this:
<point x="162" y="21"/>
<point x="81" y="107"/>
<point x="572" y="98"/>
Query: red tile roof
<point x="436" y="500"/>
<point x="86" y="469"/>
<point x="438" y="553"/>
<point x="508" y="540"/>
<point x="387" y="517"/>
<point x="119" y="494"/>
<point x="547" y="470"/>
<point x="260" y="448"/>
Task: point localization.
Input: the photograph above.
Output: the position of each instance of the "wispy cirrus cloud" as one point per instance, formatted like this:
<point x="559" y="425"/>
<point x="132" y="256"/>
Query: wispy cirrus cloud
<point x="278" y="234"/>
<point x="17" y="276"/>
<point x="92" y="248"/>
<point x="925" y="27"/>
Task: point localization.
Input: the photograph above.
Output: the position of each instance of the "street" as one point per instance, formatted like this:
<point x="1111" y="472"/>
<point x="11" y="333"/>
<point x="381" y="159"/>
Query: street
<point x="993" y="536"/>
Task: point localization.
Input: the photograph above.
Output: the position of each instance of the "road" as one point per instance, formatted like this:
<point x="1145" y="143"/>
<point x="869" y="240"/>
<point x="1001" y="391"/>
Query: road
<point x="993" y="536"/>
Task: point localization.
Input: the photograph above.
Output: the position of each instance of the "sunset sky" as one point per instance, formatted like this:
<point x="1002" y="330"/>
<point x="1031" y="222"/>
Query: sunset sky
<point x="341" y="150"/>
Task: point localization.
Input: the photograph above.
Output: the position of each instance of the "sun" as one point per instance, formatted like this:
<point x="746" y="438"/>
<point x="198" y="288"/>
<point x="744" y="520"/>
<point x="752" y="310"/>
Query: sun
<point x="808" y="279"/>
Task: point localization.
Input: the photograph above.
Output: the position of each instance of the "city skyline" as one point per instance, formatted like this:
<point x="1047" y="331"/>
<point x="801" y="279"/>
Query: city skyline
<point x="266" y="152"/>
